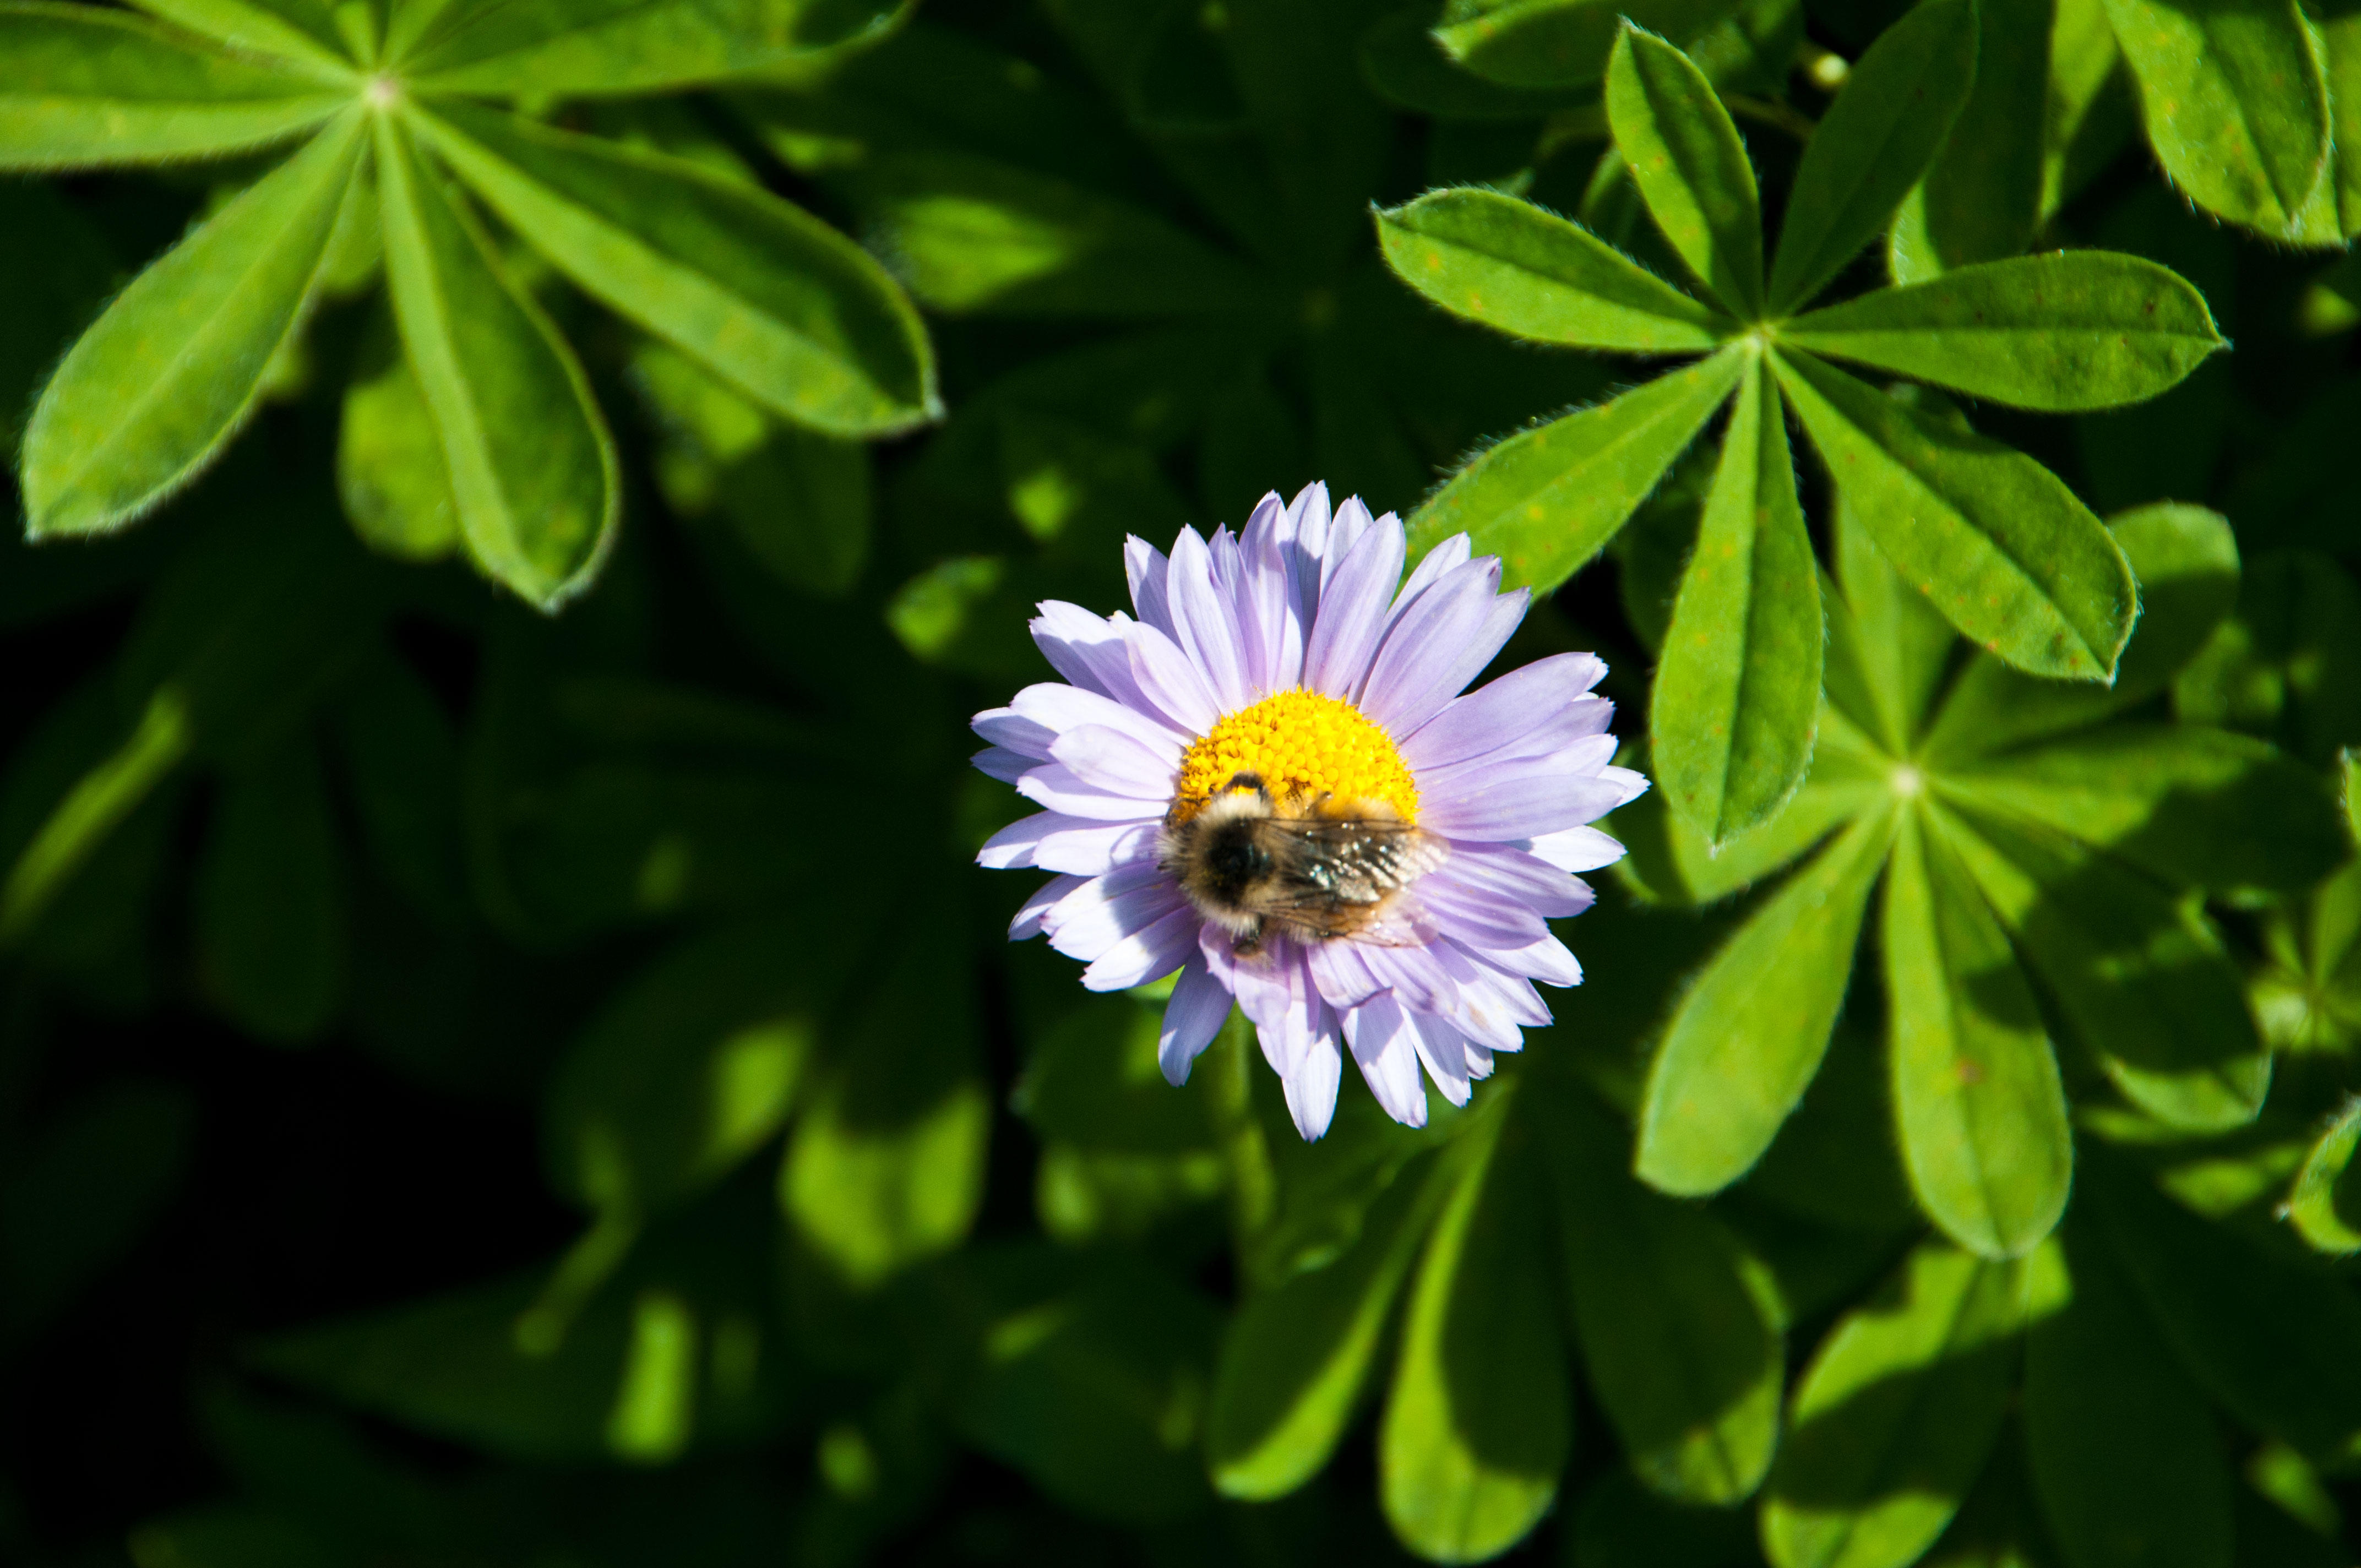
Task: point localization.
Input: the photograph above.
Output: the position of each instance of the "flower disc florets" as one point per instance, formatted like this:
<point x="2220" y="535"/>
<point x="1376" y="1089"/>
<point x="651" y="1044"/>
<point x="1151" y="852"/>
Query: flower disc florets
<point x="1431" y="833"/>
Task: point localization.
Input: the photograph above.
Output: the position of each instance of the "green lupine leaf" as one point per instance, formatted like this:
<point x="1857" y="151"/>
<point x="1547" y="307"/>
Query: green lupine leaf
<point x="1676" y="863"/>
<point x="2340" y="39"/>
<point x="149" y="394"/>
<point x="1976" y="1090"/>
<point x="2287" y="664"/>
<point x="1750" y="1034"/>
<point x="695" y="1063"/>
<point x="2186" y="561"/>
<point x="2208" y="1288"/>
<point x="1872" y="145"/>
<point x="1547" y="500"/>
<point x="389" y="468"/>
<point x="1477" y="1427"/>
<point x="1619" y="1523"/>
<point x="973" y="235"/>
<point x="1404" y="64"/>
<point x="2139" y="978"/>
<point x="1690" y="166"/>
<point x="2089" y="116"/>
<point x="307" y="34"/>
<point x="271" y="933"/>
<point x="569" y="47"/>
<point x="1295" y="1359"/>
<point x="87" y="88"/>
<point x="774" y="300"/>
<point x="1560" y="43"/>
<point x="2065" y="332"/>
<point x="531" y="467"/>
<point x="2126" y="1456"/>
<point x="1739" y="685"/>
<point x="1998" y="542"/>
<point x="887" y="1166"/>
<point x="2325" y="1204"/>
<point x="2197" y="807"/>
<point x="1515" y="268"/>
<point x="1980" y="200"/>
<point x="1896" y="1412"/>
<point x="2237" y="101"/>
<point x="1888" y="648"/>
<point x="1678" y="1327"/>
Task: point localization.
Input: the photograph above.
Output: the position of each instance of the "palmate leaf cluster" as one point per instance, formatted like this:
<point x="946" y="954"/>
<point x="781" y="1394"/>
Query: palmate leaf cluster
<point x="507" y="1058"/>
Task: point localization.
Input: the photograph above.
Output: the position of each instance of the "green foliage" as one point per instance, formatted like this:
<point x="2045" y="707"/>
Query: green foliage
<point x="495" y="1087"/>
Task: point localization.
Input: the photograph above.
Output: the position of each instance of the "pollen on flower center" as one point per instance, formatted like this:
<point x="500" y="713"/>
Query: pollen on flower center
<point x="1303" y="745"/>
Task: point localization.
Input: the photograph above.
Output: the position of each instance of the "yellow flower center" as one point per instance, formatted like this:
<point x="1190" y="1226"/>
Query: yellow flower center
<point x="1303" y="745"/>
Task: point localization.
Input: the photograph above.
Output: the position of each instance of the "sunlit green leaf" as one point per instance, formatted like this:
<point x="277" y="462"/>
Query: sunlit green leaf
<point x="1976" y="1087"/>
<point x="2186" y="561"/>
<point x="2325" y="1204"/>
<point x="551" y="47"/>
<point x="1998" y="542"/>
<point x="1896" y="1412"/>
<point x="2236" y="99"/>
<point x="1547" y="500"/>
<point x="2068" y="332"/>
<point x="1515" y="268"/>
<point x="777" y="302"/>
<point x="1739" y="685"/>
<point x="148" y="396"/>
<point x="2141" y="980"/>
<point x="88" y="88"/>
<point x="308" y="35"/>
<point x="533" y="469"/>
<point x="1981" y="199"/>
<point x="389" y="468"/>
<point x="1877" y="138"/>
<point x="1295" y="1359"/>
<point x="1690" y="167"/>
<point x="1559" y="43"/>
<point x="1750" y="1034"/>
<point x="1477" y="1427"/>
<point x="1676" y="1324"/>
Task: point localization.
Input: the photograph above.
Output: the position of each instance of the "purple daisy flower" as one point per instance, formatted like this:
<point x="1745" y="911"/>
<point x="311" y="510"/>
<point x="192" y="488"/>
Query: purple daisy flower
<point x="1271" y="784"/>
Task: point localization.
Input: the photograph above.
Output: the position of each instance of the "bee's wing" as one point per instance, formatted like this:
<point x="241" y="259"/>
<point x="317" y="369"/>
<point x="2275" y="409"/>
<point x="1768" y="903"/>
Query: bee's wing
<point x="1349" y="877"/>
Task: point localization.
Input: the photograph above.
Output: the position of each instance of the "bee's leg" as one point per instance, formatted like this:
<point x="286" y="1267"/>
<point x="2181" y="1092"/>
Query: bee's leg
<point x="1248" y="943"/>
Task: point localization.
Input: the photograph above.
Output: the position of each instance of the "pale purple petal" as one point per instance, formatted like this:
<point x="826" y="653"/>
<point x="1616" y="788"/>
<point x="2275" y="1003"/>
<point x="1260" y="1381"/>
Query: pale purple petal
<point x="1629" y="785"/>
<point x="1561" y="743"/>
<point x="1439" y="562"/>
<point x="1269" y="632"/>
<point x="1087" y="649"/>
<point x="1092" y="919"/>
<point x="1027" y="922"/>
<point x="1057" y="787"/>
<point x="1494" y="714"/>
<point x="1345" y="530"/>
<point x="1000" y="762"/>
<point x="1112" y="761"/>
<point x="1546" y="961"/>
<point x="1311" y="1088"/>
<point x="1442" y="642"/>
<point x="1202" y="623"/>
<point x="1577" y="848"/>
<point x="1353" y="613"/>
<point x="1014" y="845"/>
<point x="1385" y="1047"/>
<point x="1414" y="974"/>
<point x="1444" y="1051"/>
<point x="1522" y="807"/>
<point x="1171" y="682"/>
<point x="1056" y="709"/>
<point x="1146" y="955"/>
<point x="1145" y="565"/>
<point x="1529" y="880"/>
<point x="1093" y="848"/>
<point x="1011" y="730"/>
<point x="1200" y="1005"/>
<point x="1338" y="970"/>
<point x="1303" y="550"/>
<point x="1478" y="916"/>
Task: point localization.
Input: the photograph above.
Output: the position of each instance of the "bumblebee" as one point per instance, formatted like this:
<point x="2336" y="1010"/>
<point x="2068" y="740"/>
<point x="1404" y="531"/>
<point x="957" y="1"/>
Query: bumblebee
<point x="1337" y="871"/>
